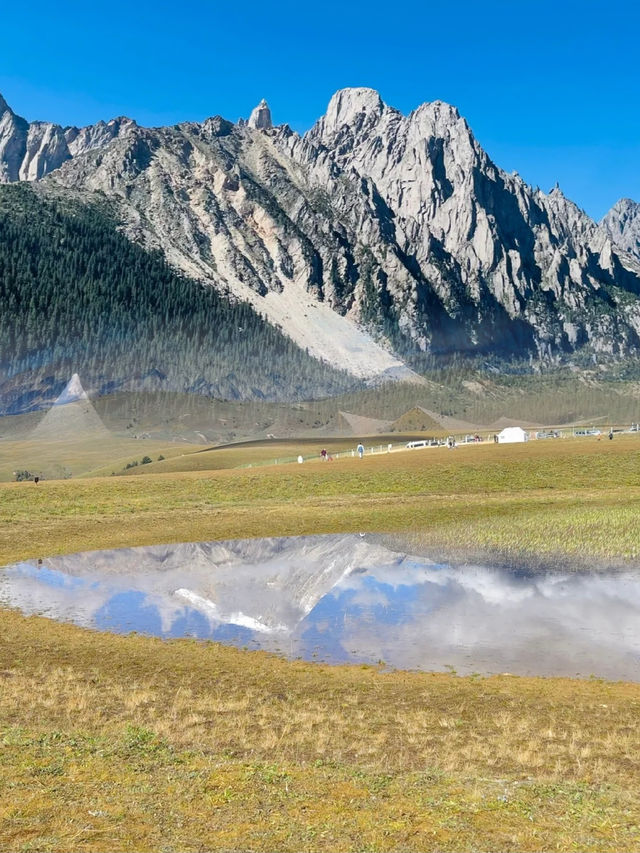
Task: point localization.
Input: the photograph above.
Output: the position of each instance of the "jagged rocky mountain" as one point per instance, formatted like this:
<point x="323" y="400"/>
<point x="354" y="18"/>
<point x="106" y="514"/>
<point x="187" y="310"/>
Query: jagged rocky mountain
<point x="30" y="150"/>
<point x="369" y="240"/>
<point x="622" y="224"/>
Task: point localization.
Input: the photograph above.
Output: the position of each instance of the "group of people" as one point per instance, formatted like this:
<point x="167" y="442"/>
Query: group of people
<point x="326" y="456"/>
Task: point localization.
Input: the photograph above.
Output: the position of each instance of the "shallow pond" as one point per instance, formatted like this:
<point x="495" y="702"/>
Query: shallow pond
<point x="346" y="598"/>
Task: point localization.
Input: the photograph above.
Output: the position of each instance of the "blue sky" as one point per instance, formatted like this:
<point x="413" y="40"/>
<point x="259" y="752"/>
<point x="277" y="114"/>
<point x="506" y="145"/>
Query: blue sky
<point x="550" y="89"/>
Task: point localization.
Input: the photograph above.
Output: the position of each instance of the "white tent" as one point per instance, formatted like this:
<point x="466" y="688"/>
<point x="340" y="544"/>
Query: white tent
<point x="512" y="435"/>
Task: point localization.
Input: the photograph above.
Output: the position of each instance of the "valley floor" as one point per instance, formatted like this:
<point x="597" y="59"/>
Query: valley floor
<point x="130" y="743"/>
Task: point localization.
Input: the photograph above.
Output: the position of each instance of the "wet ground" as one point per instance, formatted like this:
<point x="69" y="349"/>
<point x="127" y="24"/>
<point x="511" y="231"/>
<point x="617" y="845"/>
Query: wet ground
<point x="347" y="599"/>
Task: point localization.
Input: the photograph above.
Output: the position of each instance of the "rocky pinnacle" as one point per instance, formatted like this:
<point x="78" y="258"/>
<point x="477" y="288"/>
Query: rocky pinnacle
<point x="376" y="233"/>
<point x="260" y="118"/>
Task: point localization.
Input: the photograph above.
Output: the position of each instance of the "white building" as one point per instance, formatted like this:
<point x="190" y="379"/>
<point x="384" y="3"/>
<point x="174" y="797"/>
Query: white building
<point x="512" y="435"/>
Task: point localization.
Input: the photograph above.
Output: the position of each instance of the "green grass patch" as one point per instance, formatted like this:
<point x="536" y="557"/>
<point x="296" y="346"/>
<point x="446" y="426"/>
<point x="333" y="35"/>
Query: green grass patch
<point x="580" y="497"/>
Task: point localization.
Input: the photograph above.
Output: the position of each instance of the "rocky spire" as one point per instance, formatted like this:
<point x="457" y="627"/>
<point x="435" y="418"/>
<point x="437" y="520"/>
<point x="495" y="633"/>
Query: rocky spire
<point x="260" y="118"/>
<point x="4" y="106"/>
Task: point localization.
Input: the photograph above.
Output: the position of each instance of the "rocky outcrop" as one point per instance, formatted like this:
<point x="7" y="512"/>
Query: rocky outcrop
<point x="622" y="224"/>
<point x="29" y="151"/>
<point x="375" y="231"/>
<point x="13" y="143"/>
<point x="513" y="265"/>
<point x="260" y="118"/>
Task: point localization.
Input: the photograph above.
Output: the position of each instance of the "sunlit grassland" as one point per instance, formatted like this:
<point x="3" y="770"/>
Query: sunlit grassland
<point x="114" y="743"/>
<point x="76" y="456"/>
<point x="131" y="743"/>
<point x="246" y="454"/>
<point x="577" y="497"/>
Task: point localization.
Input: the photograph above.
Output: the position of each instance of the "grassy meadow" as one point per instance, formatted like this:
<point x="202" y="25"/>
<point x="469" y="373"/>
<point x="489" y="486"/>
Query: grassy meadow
<point x="565" y="498"/>
<point x="132" y="743"/>
<point x="67" y="459"/>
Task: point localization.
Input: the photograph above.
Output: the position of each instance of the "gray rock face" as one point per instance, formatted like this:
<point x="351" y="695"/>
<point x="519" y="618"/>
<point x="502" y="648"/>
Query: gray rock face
<point x="373" y="230"/>
<point x="46" y="149"/>
<point x="29" y="151"/>
<point x="13" y="143"/>
<point x="487" y="243"/>
<point x="260" y="118"/>
<point x="97" y="135"/>
<point x="622" y="224"/>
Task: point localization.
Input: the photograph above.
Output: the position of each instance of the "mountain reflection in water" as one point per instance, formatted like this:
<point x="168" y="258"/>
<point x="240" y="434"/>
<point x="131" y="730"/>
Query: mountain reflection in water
<point x="346" y="598"/>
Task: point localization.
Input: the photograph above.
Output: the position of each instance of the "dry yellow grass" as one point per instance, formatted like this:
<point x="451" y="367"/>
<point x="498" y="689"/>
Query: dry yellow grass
<point x="243" y="454"/>
<point x="114" y="743"/>
<point x="131" y="743"/>
<point x="77" y="456"/>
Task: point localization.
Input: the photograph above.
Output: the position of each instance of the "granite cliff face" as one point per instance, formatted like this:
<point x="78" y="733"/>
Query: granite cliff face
<point x="622" y="224"/>
<point x="29" y="151"/>
<point x="373" y="232"/>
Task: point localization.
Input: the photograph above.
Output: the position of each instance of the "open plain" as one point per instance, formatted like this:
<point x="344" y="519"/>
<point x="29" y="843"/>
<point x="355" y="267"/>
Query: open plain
<point x="128" y="742"/>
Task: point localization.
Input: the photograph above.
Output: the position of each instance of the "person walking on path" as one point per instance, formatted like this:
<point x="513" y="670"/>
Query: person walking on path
<point x="360" y="449"/>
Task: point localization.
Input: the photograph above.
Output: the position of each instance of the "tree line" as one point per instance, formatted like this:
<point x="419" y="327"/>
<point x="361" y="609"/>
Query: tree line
<point x="76" y="295"/>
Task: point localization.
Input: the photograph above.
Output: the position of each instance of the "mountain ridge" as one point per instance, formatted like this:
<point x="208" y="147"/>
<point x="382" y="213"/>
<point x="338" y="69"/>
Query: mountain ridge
<point x="396" y="234"/>
<point x="78" y="296"/>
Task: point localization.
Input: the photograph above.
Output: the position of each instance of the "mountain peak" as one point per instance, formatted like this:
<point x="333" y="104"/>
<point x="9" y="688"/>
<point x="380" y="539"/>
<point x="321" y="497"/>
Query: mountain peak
<point x="4" y="106"/>
<point x="626" y="204"/>
<point x="260" y="118"/>
<point x="346" y="104"/>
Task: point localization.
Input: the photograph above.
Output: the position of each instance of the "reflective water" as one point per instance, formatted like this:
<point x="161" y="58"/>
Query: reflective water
<point x="346" y="598"/>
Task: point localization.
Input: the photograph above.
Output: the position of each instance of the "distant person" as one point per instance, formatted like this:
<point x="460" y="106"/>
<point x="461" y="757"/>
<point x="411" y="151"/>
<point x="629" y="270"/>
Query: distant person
<point x="360" y="450"/>
<point x="36" y="480"/>
<point x="611" y="434"/>
<point x="323" y="454"/>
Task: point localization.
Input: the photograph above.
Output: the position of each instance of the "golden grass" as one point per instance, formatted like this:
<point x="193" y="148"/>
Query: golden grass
<point x="120" y="743"/>
<point x="243" y="454"/>
<point x="132" y="743"/>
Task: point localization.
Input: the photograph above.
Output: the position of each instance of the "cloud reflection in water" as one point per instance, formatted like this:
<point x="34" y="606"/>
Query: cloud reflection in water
<point x="345" y="598"/>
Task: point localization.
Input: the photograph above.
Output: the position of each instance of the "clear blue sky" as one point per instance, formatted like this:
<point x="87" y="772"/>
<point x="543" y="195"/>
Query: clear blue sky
<point x="551" y="89"/>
